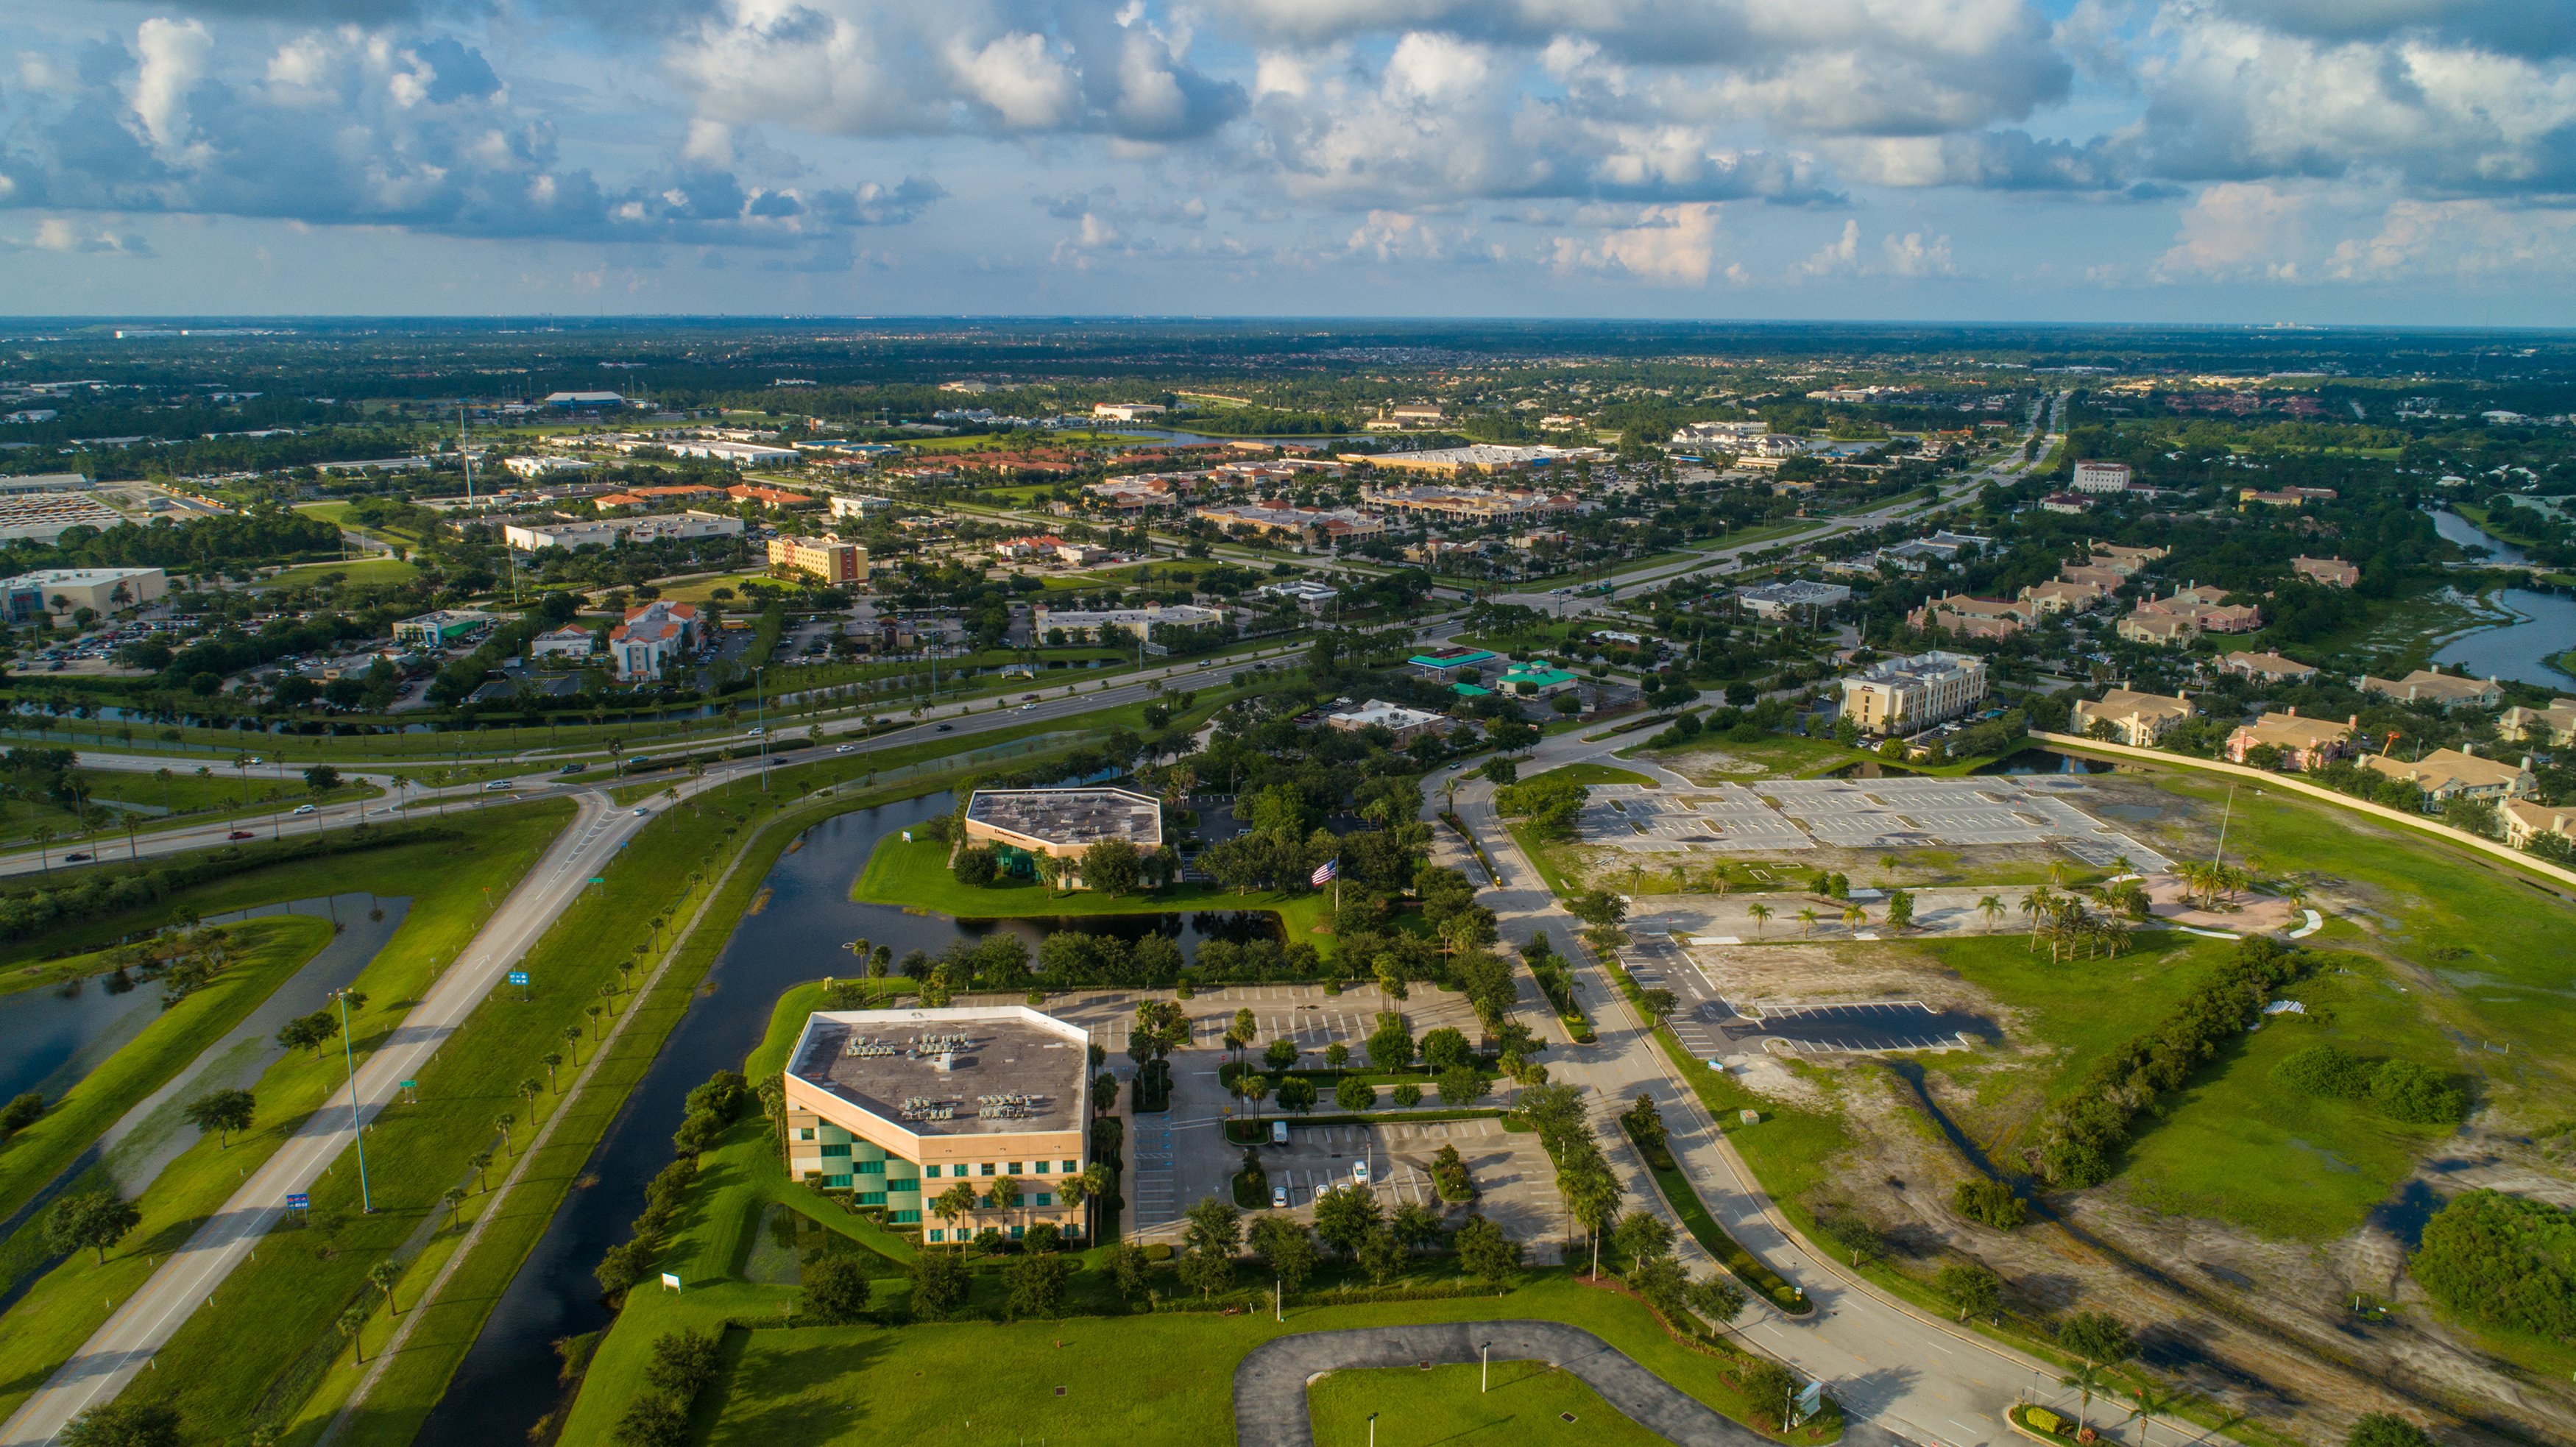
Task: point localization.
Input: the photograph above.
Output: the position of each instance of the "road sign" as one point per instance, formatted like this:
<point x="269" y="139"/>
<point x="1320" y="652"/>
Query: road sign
<point x="1809" y="1401"/>
<point x="518" y="977"/>
<point x="670" y="1282"/>
<point x="298" y="1201"/>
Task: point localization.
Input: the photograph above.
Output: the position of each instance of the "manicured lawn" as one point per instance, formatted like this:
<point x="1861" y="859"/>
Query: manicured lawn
<point x="915" y="875"/>
<point x="292" y="1290"/>
<point x="2237" y="1145"/>
<point x="1780" y="755"/>
<point x="1594" y="774"/>
<point x="356" y="571"/>
<point x="1527" y="1402"/>
<point x="266" y="951"/>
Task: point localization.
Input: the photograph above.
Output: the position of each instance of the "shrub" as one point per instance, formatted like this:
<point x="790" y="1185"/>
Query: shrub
<point x="2416" y="1093"/>
<point x="1408" y="1095"/>
<point x="2505" y="1260"/>
<point x="2386" y="1429"/>
<point x="975" y="868"/>
<point x="1990" y="1203"/>
<point x="836" y="1288"/>
<point x="2324" y="1070"/>
<point x="1354" y="1094"/>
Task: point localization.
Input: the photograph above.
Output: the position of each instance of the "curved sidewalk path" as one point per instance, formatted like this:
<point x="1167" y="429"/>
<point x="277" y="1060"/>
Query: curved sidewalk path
<point x="1270" y="1384"/>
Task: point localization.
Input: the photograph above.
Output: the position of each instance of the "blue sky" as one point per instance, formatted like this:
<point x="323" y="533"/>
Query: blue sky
<point x="2222" y="160"/>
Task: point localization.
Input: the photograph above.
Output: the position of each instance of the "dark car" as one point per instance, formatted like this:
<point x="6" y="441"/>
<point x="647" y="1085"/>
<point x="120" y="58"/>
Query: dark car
<point x="74" y="858"/>
<point x="241" y="834"/>
<point x="943" y="728"/>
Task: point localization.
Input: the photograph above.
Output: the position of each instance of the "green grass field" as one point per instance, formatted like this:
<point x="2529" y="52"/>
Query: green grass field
<point x="915" y="875"/>
<point x="266" y="952"/>
<point x="294" y="1288"/>
<point x="1525" y="1402"/>
<point x="1594" y="774"/>
<point x="2238" y="1146"/>
<point x="356" y="572"/>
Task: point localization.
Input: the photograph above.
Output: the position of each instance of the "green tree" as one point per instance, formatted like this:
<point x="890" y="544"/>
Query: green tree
<point x="1112" y="866"/>
<point x="1716" y="1297"/>
<point x="223" y="1112"/>
<point x="1354" y="1094"/>
<point x="1973" y="1289"/>
<point x="22" y="1111"/>
<point x="1297" y="1094"/>
<point x="939" y="1281"/>
<point x="1281" y="1055"/>
<point x="96" y="1220"/>
<point x="1035" y="1284"/>
<point x="1484" y="1252"/>
<point x="384" y="1276"/>
<point x="1287" y="1251"/>
<point x="1343" y="1215"/>
<point x="836" y="1288"/>
<point x="123" y="1424"/>
<point x="1127" y="1271"/>
<point x="1769" y="1388"/>
<point x="1390" y="1045"/>
<point x="1380" y="1256"/>
<point x="2377" y="1429"/>
<point x="1462" y="1085"/>
<point x="1446" y="1048"/>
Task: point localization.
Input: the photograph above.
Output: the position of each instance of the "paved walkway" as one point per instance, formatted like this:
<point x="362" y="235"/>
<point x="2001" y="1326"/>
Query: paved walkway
<point x="1270" y="1384"/>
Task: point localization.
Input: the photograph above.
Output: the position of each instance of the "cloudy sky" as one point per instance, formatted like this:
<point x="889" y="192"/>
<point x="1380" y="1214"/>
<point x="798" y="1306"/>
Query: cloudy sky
<point x="2223" y="160"/>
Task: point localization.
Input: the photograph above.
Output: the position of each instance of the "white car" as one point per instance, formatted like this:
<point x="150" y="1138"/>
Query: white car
<point x="640" y="813"/>
<point x="1359" y="1171"/>
<point x="1278" y="1198"/>
<point x="500" y="786"/>
<point x="303" y="809"/>
<point x="1024" y="708"/>
<point x="845" y="748"/>
<point x="756" y="731"/>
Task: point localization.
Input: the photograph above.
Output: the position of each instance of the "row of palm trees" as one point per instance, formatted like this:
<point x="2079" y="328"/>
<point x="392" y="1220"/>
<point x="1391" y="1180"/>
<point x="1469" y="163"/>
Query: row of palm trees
<point x="1853" y="917"/>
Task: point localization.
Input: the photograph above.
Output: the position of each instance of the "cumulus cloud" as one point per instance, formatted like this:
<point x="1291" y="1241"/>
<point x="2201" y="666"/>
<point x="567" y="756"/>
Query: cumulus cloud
<point x="2238" y="230"/>
<point x="349" y="127"/>
<point x="1668" y="246"/>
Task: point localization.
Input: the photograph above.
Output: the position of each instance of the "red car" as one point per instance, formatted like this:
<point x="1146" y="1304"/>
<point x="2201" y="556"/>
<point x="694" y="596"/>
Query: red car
<point x="241" y="834"/>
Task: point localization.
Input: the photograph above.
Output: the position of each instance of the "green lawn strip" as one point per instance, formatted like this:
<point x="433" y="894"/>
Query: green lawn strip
<point x="1595" y="774"/>
<point x="62" y="1309"/>
<point x="369" y="858"/>
<point x="915" y="875"/>
<point x="402" y="1399"/>
<point x="267" y="951"/>
<point x="1536" y="853"/>
<point x="2236" y="1145"/>
<point x="1153" y="1378"/>
<point x="1524" y="1402"/>
<point x="356" y="571"/>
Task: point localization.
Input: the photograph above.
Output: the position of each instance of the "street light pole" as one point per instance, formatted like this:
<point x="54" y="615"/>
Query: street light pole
<point x="357" y="1129"/>
<point x="1485" y="1372"/>
<point x="760" y="716"/>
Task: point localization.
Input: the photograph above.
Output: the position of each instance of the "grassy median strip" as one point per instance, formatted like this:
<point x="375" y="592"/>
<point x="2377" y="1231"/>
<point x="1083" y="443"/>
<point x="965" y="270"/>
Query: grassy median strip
<point x="68" y="1303"/>
<point x="266" y="953"/>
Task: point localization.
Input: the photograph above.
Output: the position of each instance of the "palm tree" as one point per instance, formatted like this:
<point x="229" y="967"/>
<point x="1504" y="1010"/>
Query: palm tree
<point x="382" y="1277"/>
<point x="454" y="1198"/>
<point x="2089" y="1378"/>
<point x="1761" y="915"/>
<point x="1854" y="916"/>
<point x="2152" y="1400"/>
<point x="481" y="1161"/>
<point x="353" y="1323"/>
<point x="503" y="1122"/>
<point x="1807" y="918"/>
<point x="1993" y="909"/>
<point x="594" y="1010"/>
<point x="2036" y="904"/>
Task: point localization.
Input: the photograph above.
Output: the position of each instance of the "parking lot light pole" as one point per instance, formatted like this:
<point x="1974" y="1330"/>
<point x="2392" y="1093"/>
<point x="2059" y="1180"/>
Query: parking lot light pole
<point x="1485" y="1371"/>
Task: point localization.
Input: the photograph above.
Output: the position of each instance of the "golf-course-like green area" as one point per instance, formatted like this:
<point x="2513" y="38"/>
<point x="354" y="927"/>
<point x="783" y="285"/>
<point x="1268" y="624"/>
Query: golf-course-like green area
<point x="1524" y="1402"/>
<point x="1593" y="774"/>
<point x="914" y="874"/>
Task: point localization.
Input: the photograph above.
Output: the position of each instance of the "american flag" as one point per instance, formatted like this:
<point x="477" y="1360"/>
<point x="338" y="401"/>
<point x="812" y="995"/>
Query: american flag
<point x="1325" y="871"/>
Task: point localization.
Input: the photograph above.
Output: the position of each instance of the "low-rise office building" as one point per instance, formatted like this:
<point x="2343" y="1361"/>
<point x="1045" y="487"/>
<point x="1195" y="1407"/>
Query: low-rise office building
<point x="1407" y="724"/>
<point x="437" y="630"/>
<point x="609" y="532"/>
<point x="2099" y="477"/>
<point x="1906" y="695"/>
<point x="570" y="641"/>
<point x="67" y="590"/>
<point x="1535" y="678"/>
<point x="1102" y="625"/>
<point x="903" y="1107"/>
<point x="1791" y="597"/>
<point x="1023" y="826"/>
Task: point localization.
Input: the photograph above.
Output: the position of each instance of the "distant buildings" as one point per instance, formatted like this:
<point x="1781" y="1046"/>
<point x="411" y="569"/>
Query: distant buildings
<point x="584" y="401"/>
<point x="1024" y="825"/>
<point x="1791" y="597"/>
<point x="571" y="640"/>
<point x="1308" y="594"/>
<point x="1988" y="619"/>
<point x="833" y="562"/>
<point x="652" y="638"/>
<point x="2333" y="572"/>
<point x="859" y="505"/>
<point x="2267" y="667"/>
<point x="2101" y="477"/>
<point x="2440" y="689"/>
<point x="1478" y="458"/>
<point x="609" y="532"/>
<point x="541" y="467"/>
<point x="1104" y="625"/>
<point x="2447" y="774"/>
<point x="432" y="631"/>
<point x="1535" y="678"/>
<point x="2304" y="744"/>
<point x="45" y="517"/>
<point x="1923" y="554"/>
<point x="2070" y="503"/>
<point x="1407" y="724"/>
<point x="1278" y="519"/>
<point x="30" y="596"/>
<point x="2136" y="719"/>
<point x="1912" y="694"/>
<point x="2286" y="497"/>
<point x="735" y="454"/>
<point x="1126" y="411"/>
<point x="2186" y="614"/>
<point x="2554" y="725"/>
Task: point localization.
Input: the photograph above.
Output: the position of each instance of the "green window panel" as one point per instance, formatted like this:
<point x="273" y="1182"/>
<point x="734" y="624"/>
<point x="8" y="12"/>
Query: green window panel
<point x="1072" y="1168"/>
<point x="836" y="1183"/>
<point x="1045" y="1198"/>
<point x="904" y="1218"/>
<point x="908" y="1186"/>
<point x="1042" y="1168"/>
<point x="841" y="1152"/>
<point x="805" y="1133"/>
<point x="834" y="1133"/>
<point x="872" y="1168"/>
<point x="871" y="1198"/>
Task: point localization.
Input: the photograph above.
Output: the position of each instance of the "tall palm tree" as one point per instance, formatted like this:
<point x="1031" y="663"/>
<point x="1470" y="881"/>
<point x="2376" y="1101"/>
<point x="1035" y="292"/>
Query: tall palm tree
<point x="1761" y="915"/>
<point x="2036" y="903"/>
<point x="2089" y="1378"/>
<point x="1993" y="909"/>
<point x="1854" y="916"/>
<point x="1807" y="921"/>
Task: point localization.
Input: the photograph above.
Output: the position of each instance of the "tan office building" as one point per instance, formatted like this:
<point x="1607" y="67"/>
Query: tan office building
<point x="902" y="1107"/>
<point x="1905" y="695"/>
<point x="833" y="562"/>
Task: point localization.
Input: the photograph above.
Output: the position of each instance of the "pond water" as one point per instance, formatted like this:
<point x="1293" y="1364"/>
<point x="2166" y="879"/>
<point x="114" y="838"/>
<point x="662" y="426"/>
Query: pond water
<point x="2043" y="761"/>
<point x="2544" y="624"/>
<point x="2457" y="529"/>
<point x="507" y="1381"/>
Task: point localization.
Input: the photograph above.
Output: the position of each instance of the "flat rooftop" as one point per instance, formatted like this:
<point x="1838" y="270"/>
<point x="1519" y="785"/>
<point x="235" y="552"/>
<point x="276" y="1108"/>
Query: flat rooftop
<point x="934" y="1073"/>
<point x="1070" y="816"/>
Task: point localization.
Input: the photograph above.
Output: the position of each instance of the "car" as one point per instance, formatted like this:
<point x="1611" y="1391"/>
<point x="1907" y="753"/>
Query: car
<point x="573" y="769"/>
<point x="498" y="786"/>
<point x="943" y="728"/>
<point x="845" y="748"/>
<point x="1279" y="1132"/>
<point x="256" y="761"/>
<point x="1278" y="1198"/>
<point x="1359" y="1171"/>
<point x="756" y="731"/>
<point x="1024" y="708"/>
<point x="240" y="834"/>
<point x="74" y="858"/>
<point x="637" y="762"/>
<point x="640" y="813"/>
<point x="303" y="809"/>
<point x="1028" y="698"/>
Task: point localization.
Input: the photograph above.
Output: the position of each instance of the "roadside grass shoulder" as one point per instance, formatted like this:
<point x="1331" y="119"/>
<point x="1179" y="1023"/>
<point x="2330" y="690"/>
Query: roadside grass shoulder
<point x="1595" y="774"/>
<point x="279" y="1291"/>
<point x="1542" y="857"/>
<point x="271" y="949"/>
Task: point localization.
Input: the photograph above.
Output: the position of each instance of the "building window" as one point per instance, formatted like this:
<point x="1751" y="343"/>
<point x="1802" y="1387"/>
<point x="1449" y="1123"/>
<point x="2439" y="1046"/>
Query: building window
<point x="937" y="1235"/>
<point x="871" y="1198"/>
<point x="1042" y="1168"/>
<point x="903" y="1218"/>
<point x="1014" y="1170"/>
<point x="836" y="1183"/>
<point x="871" y="1168"/>
<point x="1046" y="1198"/>
<point x="842" y="1151"/>
<point x="908" y="1186"/>
<point x="931" y="1171"/>
<point x="1070" y="1167"/>
<point x="988" y="1168"/>
<point x="805" y="1133"/>
<point x="1017" y="1231"/>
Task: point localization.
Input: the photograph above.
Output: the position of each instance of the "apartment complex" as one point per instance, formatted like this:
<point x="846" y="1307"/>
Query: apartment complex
<point x="2099" y="477"/>
<point x="2303" y="743"/>
<point x="903" y="1107"/>
<point x="2446" y="774"/>
<point x="2136" y="719"/>
<point x="2442" y="690"/>
<point x="1911" y="694"/>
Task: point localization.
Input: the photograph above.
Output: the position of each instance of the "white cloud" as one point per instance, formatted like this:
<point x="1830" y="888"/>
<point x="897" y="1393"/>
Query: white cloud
<point x="1668" y="246"/>
<point x="1838" y="257"/>
<point x="1914" y="254"/>
<point x="173" y="61"/>
<point x="2237" y="230"/>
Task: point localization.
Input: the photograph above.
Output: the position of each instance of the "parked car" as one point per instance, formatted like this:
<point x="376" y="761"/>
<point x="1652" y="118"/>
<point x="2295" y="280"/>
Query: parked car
<point x="1278" y="1198"/>
<point x="1279" y="1132"/>
<point x="1359" y="1171"/>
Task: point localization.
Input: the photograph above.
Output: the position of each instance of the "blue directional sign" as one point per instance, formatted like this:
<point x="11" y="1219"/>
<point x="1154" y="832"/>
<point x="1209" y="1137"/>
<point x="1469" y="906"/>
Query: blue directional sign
<point x="518" y="977"/>
<point x="298" y="1201"/>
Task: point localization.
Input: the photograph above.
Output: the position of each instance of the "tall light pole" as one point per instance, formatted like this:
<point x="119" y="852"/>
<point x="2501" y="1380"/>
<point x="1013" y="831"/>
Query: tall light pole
<point x="357" y="1128"/>
<point x="760" y="719"/>
<point x="1485" y="1372"/>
